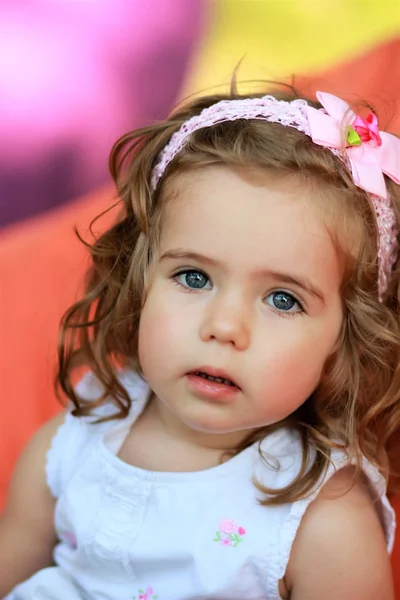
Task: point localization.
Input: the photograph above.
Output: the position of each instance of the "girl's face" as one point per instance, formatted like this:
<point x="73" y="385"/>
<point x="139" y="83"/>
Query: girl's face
<point x="246" y="288"/>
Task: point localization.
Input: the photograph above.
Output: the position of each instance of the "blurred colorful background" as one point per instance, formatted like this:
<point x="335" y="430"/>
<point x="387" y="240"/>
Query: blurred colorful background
<point x="76" y="74"/>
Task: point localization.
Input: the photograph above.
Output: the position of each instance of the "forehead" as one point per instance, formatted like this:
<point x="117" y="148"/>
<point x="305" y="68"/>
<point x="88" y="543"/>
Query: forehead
<point x="249" y="221"/>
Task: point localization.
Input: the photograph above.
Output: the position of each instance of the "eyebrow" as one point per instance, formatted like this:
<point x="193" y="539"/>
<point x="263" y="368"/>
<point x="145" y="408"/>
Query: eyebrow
<point x="302" y="283"/>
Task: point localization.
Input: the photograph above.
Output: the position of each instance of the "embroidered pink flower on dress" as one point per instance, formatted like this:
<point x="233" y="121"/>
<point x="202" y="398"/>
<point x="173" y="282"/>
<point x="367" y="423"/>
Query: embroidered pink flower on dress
<point x="227" y="526"/>
<point x="229" y="534"/>
<point x="146" y="595"/>
<point x="225" y="542"/>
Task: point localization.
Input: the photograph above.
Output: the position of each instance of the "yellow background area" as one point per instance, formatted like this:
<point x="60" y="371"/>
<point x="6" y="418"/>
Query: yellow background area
<point x="279" y="38"/>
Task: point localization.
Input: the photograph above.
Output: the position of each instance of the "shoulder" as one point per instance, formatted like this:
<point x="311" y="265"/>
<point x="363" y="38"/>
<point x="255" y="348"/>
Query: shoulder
<point x="340" y="548"/>
<point x="29" y="477"/>
<point x="31" y="464"/>
<point x="34" y="454"/>
<point x="27" y="533"/>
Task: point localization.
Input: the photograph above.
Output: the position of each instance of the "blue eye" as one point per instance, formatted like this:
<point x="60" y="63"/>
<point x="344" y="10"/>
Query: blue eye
<point x="195" y="280"/>
<point x="284" y="302"/>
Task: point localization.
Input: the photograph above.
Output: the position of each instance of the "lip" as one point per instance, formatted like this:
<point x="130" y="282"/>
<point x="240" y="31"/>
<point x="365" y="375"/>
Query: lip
<point x="211" y="391"/>
<point x="220" y="373"/>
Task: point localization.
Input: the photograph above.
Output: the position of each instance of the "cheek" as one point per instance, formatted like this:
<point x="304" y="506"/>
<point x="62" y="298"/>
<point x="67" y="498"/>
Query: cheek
<point x="290" y="376"/>
<point x="159" y="333"/>
<point x="286" y="382"/>
<point x="292" y="365"/>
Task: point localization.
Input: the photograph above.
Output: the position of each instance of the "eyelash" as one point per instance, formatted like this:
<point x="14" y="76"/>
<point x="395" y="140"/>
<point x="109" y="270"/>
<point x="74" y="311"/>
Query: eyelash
<point x="281" y="313"/>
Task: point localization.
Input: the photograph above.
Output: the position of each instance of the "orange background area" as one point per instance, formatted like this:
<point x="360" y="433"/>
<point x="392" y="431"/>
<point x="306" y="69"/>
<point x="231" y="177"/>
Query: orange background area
<point x="41" y="262"/>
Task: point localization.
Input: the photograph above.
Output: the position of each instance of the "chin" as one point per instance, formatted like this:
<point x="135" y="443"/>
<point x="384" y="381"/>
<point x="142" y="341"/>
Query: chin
<point x="204" y="426"/>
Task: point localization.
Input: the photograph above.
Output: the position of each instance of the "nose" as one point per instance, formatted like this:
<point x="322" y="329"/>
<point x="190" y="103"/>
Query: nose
<point x="227" y="321"/>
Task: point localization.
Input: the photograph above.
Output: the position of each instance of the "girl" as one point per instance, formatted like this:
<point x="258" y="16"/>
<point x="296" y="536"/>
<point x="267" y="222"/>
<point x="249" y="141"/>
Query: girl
<point x="232" y="437"/>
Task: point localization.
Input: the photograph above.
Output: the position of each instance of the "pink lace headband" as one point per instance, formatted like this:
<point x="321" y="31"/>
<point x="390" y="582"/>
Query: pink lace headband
<point x="366" y="151"/>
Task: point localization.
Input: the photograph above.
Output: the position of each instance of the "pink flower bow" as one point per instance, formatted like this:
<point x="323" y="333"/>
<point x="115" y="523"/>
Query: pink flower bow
<point x="367" y="129"/>
<point x="371" y="154"/>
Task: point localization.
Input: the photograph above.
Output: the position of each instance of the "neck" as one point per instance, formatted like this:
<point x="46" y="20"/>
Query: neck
<point x="180" y="432"/>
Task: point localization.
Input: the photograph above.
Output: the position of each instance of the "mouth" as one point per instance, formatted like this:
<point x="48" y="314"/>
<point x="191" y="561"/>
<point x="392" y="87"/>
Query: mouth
<point x="215" y="375"/>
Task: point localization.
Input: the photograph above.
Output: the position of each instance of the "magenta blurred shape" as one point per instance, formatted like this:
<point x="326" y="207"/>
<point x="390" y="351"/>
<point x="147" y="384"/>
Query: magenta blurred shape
<point x="74" y="75"/>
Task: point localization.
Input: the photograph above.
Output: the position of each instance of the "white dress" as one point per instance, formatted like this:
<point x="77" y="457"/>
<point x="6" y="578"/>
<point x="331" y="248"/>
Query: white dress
<point x="126" y="533"/>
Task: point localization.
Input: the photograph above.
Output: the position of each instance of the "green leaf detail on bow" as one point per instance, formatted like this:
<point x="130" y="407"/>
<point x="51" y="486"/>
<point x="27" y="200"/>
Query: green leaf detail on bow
<point x="352" y="137"/>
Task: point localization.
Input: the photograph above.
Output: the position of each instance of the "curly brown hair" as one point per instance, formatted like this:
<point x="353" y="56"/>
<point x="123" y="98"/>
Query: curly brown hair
<point x="357" y="401"/>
